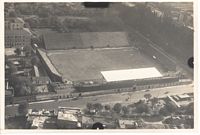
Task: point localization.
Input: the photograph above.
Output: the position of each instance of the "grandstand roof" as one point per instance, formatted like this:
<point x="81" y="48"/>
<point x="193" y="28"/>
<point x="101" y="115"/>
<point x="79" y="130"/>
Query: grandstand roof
<point x="48" y="62"/>
<point x="130" y="74"/>
<point x="61" y="41"/>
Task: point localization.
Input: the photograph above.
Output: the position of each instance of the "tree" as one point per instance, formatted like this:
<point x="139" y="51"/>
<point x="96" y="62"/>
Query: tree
<point x="117" y="107"/>
<point x="171" y="107"/>
<point x="27" y="50"/>
<point x="92" y="47"/>
<point x="89" y="106"/>
<point x="22" y="85"/>
<point x="23" y="108"/>
<point x="18" y="51"/>
<point x="125" y="109"/>
<point x="12" y="14"/>
<point x="26" y="25"/>
<point x="190" y="109"/>
<point x="98" y="106"/>
<point x="43" y="12"/>
<point x="32" y="22"/>
<point x="107" y="107"/>
<point x="20" y="90"/>
<point x="164" y="111"/>
<point x="141" y="107"/>
<point x="147" y="96"/>
<point x="35" y="60"/>
<point x="13" y="69"/>
<point x="54" y="20"/>
<point x="154" y="100"/>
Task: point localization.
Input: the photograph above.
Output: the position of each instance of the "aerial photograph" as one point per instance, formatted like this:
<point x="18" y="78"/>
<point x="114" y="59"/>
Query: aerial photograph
<point x="99" y="65"/>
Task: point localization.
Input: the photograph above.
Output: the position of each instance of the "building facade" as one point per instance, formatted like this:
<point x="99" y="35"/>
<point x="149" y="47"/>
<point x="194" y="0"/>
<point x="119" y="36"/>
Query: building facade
<point x="15" y="34"/>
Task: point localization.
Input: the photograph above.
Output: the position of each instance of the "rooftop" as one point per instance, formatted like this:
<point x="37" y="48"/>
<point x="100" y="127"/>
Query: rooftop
<point x="38" y="122"/>
<point x="130" y="74"/>
<point x="40" y="80"/>
<point x="15" y="20"/>
<point x="24" y="31"/>
<point x="48" y="62"/>
<point x="59" y="41"/>
<point x="69" y="114"/>
<point x="123" y="123"/>
<point x="184" y="96"/>
<point x="37" y="74"/>
<point x="8" y="92"/>
<point x="66" y="115"/>
<point x="9" y="51"/>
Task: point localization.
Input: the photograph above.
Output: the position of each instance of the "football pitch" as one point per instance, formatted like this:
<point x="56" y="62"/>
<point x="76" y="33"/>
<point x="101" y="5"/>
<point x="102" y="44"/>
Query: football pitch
<point x="87" y="64"/>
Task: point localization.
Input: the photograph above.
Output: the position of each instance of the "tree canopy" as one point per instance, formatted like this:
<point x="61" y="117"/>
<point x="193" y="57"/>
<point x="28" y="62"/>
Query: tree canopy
<point x="23" y="108"/>
<point x="117" y="107"/>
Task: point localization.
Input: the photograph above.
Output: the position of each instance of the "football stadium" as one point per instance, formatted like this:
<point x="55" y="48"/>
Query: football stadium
<point x="97" y="65"/>
<point x="104" y="69"/>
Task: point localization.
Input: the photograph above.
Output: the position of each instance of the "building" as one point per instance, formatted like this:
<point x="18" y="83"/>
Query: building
<point x="36" y="71"/>
<point x="69" y="118"/>
<point x="10" y="52"/>
<point x="15" y="34"/>
<point x="51" y="70"/>
<point x="173" y="101"/>
<point x="9" y="93"/>
<point x="181" y="100"/>
<point x="128" y="124"/>
<point x="17" y="38"/>
<point x="41" y="84"/>
<point x="14" y="23"/>
<point x="40" y="119"/>
<point x="42" y="80"/>
<point x="62" y="90"/>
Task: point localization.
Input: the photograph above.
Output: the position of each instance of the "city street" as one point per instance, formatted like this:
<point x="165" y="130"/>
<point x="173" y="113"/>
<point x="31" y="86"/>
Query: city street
<point x="105" y="99"/>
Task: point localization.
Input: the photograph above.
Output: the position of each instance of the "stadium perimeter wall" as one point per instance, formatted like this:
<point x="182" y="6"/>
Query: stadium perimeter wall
<point x="130" y="84"/>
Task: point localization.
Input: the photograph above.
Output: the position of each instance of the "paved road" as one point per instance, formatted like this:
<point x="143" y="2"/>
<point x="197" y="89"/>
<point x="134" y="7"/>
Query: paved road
<point x="105" y="99"/>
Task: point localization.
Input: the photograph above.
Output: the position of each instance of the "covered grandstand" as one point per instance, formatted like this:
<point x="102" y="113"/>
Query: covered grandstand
<point x="51" y="70"/>
<point x="60" y="41"/>
<point x="131" y="74"/>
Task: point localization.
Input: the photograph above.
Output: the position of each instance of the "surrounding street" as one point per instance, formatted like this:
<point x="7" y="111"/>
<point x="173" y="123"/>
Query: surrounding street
<point x="104" y="99"/>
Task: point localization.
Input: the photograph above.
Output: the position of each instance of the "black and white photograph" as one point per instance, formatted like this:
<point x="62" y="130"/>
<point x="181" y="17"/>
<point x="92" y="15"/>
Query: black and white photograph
<point x="99" y="65"/>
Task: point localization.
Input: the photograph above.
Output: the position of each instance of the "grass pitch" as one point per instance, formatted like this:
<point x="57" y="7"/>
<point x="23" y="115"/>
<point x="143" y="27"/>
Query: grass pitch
<point x="87" y="64"/>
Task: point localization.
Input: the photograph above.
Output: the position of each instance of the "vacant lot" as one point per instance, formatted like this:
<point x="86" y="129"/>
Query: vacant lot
<point x="86" y="64"/>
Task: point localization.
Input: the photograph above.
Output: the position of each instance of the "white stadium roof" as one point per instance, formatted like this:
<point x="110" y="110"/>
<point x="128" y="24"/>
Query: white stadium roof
<point x="130" y="74"/>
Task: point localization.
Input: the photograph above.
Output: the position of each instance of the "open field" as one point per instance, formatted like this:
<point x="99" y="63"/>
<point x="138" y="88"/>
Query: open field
<point x="87" y="64"/>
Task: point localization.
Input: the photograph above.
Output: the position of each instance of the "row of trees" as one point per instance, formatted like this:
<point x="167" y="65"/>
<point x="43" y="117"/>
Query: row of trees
<point x="147" y="106"/>
<point x="160" y="29"/>
<point x="21" y="83"/>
